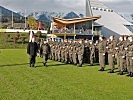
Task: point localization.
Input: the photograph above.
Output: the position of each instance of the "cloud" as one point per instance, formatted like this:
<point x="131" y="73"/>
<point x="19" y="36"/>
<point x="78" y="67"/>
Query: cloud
<point x="111" y="0"/>
<point x="62" y="5"/>
<point x="44" y="5"/>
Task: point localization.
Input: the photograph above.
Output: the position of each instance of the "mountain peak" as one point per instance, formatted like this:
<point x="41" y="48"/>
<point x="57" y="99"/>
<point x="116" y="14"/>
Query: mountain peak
<point x="71" y="15"/>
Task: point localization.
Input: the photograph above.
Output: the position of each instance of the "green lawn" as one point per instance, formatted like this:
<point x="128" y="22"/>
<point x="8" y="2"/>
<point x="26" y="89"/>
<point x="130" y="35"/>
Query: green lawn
<point x="58" y="81"/>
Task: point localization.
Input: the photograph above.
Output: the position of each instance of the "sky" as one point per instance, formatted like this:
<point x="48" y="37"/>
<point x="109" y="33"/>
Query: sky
<point x="125" y="6"/>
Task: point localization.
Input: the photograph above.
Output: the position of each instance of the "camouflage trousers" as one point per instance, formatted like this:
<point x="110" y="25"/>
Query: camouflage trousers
<point x="111" y="61"/>
<point x="102" y="60"/>
<point x="130" y="64"/>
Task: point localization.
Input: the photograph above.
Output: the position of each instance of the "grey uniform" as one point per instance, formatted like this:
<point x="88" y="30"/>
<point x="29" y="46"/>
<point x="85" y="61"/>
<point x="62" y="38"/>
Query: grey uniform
<point x="92" y="54"/>
<point x="102" y="51"/>
<point x="80" y="53"/>
<point x="130" y="58"/>
<point x="45" y="51"/>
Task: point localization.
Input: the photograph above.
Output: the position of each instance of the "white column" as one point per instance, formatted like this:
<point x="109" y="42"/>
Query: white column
<point x="92" y="32"/>
<point x="74" y="31"/>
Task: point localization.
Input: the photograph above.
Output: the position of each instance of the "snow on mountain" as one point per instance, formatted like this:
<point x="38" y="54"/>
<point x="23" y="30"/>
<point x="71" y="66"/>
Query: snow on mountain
<point x="47" y="16"/>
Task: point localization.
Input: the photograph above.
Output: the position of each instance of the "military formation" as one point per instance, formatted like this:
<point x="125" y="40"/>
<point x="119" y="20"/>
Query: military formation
<point x="75" y="52"/>
<point x="110" y="51"/>
<point x="116" y="52"/>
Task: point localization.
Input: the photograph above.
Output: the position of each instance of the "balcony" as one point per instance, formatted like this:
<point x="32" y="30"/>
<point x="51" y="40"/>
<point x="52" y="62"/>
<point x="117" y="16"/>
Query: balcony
<point x="77" y="32"/>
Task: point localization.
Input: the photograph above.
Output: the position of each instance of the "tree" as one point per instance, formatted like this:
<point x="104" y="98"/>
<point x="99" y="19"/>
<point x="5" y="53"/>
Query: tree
<point x="31" y="21"/>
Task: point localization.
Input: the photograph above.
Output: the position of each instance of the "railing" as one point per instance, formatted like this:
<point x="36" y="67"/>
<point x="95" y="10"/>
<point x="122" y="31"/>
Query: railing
<point x="71" y="31"/>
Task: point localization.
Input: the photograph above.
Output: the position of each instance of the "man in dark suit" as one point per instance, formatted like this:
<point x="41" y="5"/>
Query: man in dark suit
<point x="32" y="50"/>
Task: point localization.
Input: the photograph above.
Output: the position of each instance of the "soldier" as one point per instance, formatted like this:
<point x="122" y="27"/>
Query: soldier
<point x="121" y="55"/>
<point x="125" y="44"/>
<point x="92" y="52"/>
<point x="74" y="53"/>
<point x="63" y="53"/>
<point x="117" y="52"/>
<point x="111" y="53"/>
<point x="32" y="50"/>
<point x="56" y="52"/>
<point x="102" y="51"/>
<point x="53" y="51"/>
<point x="71" y="53"/>
<point x="66" y="54"/>
<point x="80" y="53"/>
<point x="96" y="52"/>
<point x="59" y="52"/>
<point x="129" y="56"/>
<point x="51" y="45"/>
<point x="45" y="51"/>
<point x="86" y="52"/>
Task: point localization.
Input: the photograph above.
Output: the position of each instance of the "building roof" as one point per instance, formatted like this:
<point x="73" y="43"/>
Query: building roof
<point x="74" y="20"/>
<point x="112" y="22"/>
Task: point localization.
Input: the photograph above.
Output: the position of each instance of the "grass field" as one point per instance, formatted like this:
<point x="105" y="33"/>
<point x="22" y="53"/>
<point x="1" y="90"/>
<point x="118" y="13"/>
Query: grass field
<point x="58" y="81"/>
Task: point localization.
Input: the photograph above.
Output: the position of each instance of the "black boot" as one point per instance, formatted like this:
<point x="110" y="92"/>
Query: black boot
<point x="102" y="69"/>
<point x="32" y="65"/>
<point x="131" y="75"/>
<point x="125" y="70"/>
<point x="111" y="71"/>
<point x="121" y="72"/>
<point x="44" y="64"/>
<point x="79" y="65"/>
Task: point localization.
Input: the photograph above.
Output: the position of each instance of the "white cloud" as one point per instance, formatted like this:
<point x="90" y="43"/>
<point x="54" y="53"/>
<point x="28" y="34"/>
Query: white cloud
<point x="62" y="5"/>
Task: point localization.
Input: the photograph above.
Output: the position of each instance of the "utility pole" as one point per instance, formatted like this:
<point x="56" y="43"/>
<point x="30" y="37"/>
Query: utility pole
<point x="25" y="20"/>
<point x="12" y="19"/>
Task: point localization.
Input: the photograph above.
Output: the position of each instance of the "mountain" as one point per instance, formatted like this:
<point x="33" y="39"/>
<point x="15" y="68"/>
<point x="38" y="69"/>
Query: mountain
<point x="47" y="16"/>
<point x="6" y="12"/>
<point x="43" y="17"/>
<point x="71" y="15"/>
<point x="6" y="15"/>
<point x="40" y="16"/>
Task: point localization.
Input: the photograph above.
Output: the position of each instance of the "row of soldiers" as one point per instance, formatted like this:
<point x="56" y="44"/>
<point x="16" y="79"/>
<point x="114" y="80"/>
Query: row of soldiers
<point x="74" y="52"/>
<point x="111" y="50"/>
<point x="67" y="52"/>
<point x="120" y="49"/>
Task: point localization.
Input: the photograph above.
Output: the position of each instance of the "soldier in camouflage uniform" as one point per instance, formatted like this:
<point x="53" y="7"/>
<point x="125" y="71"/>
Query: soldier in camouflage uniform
<point x="63" y="53"/>
<point x="125" y="44"/>
<point x="122" y="55"/>
<point x="102" y="51"/>
<point x="75" y="53"/>
<point x="59" y="52"/>
<point x="80" y="53"/>
<point x="56" y="52"/>
<point x="129" y="56"/>
<point x="92" y="52"/>
<point x="71" y="53"/>
<point x="45" y="51"/>
<point x="66" y="53"/>
<point x="53" y="51"/>
<point x="111" y="53"/>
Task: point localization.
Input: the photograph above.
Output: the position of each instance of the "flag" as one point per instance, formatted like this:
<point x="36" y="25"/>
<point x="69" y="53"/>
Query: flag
<point x="31" y="36"/>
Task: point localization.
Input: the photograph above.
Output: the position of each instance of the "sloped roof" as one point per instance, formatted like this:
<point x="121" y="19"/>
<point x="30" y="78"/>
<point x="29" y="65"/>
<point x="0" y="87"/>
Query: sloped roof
<point x="109" y="19"/>
<point x="74" y="20"/>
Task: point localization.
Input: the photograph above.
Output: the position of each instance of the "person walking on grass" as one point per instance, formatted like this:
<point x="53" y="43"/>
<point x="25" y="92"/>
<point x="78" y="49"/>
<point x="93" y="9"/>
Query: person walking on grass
<point x="32" y="50"/>
<point x="45" y="51"/>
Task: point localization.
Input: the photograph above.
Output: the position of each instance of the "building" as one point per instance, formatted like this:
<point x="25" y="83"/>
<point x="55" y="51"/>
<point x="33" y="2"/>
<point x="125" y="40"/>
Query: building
<point x="111" y="22"/>
<point x="76" y="28"/>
